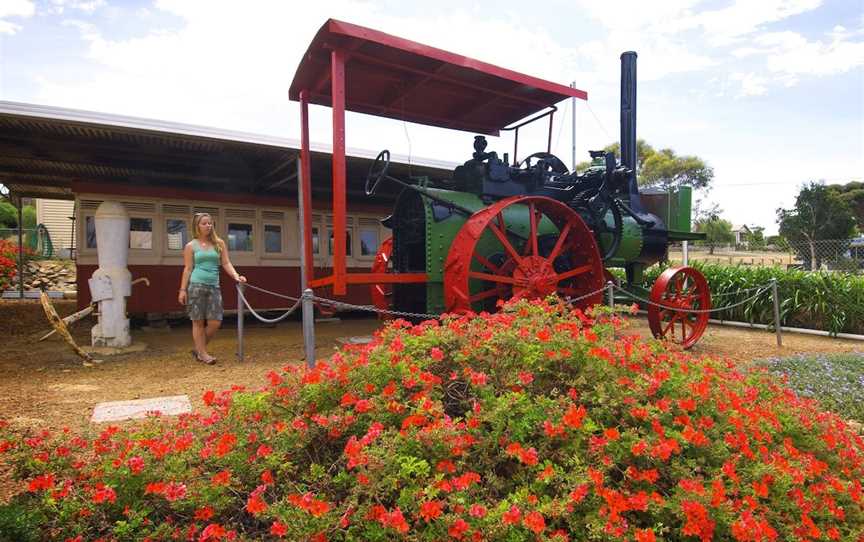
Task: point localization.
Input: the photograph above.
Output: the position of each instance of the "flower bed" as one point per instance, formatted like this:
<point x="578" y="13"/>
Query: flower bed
<point x="8" y="265"/>
<point x="535" y="423"/>
<point x="835" y="380"/>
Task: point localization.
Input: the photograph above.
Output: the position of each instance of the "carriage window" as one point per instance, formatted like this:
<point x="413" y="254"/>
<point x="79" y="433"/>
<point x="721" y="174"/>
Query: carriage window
<point x="272" y="238"/>
<point x="141" y="233"/>
<point x="178" y="233"/>
<point x="314" y="240"/>
<point x="368" y="241"/>
<point x="347" y="242"/>
<point x="90" y="227"/>
<point x="240" y="237"/>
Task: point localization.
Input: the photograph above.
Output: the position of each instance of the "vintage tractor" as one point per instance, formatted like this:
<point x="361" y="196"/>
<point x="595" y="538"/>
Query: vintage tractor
<point x="497" y="229"/>
<point x="532" y="228"/>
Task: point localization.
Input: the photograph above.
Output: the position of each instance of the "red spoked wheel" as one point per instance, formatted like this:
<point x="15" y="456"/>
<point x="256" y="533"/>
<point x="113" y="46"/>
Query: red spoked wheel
<point x="679" y="290"/>
<point x="382" y="294"/>
<point x="499" y="253"/>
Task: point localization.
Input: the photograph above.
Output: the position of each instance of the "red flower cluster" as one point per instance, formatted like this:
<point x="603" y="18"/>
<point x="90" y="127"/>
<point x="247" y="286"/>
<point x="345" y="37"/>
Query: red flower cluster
<point x="537" y="422"/>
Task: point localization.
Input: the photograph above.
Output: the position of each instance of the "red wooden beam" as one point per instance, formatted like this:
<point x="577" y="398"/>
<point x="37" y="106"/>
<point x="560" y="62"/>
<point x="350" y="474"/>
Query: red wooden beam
<point x="337" y="68"/>
<point x="387" y="278"/>
<point x="322" y="281"/>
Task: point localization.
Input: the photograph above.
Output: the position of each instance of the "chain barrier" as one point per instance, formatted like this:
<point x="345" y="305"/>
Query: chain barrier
<point x="370" y="308"/>
<point x="268" y="320"/>
<point x="693" y="311"/>
<point x="283" y="296"/>
<point x="736" y="292"/>
<point x="309" y="298"/>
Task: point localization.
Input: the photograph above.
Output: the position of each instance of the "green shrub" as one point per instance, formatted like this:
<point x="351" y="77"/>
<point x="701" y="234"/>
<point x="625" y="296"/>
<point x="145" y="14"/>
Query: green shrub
<point x="8" y="215"/>
<point x="830" y="301"/>
<point x="535" y="423"/>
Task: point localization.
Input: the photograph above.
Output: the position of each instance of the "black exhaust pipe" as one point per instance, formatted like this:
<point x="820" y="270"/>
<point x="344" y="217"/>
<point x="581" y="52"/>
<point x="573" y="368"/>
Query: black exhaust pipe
<point x="628" y="120"/>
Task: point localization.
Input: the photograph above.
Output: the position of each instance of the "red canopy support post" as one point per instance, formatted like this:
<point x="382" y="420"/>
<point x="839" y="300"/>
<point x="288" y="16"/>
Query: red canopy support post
<point x="306" y="190"/>
<point x="337" y="78"/>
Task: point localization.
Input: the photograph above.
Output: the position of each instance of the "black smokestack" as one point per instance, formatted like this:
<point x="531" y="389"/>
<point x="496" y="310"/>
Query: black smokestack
<point x="628" y="113"/>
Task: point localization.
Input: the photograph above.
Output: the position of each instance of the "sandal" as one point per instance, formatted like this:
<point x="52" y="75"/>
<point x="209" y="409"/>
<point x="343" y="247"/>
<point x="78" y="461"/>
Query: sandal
<point x="209" y="361"/>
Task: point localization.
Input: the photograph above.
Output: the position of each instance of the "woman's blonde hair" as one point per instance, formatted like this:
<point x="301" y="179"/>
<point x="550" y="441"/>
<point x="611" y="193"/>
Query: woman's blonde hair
<point x="214" y="238"/>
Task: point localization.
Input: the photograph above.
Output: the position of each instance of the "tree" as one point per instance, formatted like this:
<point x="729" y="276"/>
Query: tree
<point x="819" y="214"/>
<point x="8" y="215"/>
<point x="853" y="194"/>
<point x="718" y="231"/>
<point x="778" y="241"/>
<point x="756" y="238"/>
<point x="664" y="168"/>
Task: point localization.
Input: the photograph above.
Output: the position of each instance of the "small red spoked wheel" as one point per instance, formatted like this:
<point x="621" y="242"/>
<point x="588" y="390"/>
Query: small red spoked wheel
<point x="382" y="294"/>
<point x="500" y="253"/>
<point x="679" y="290"/>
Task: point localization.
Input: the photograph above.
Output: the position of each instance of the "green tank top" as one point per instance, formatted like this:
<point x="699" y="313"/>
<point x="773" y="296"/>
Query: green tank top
<point x="206" y="265"/>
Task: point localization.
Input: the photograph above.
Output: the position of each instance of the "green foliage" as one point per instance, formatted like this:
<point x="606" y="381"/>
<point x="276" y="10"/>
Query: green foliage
<point x="8" y="215"/>
<point x="853" y="194"/>
<point x="835" y="380"/>
<point x="535" y="423"/>
<point x="28" y="215"/>
<point x="830" y="301"/>
<point x="756" y="238"/>
<point x="718" y="231"/>
<point x="664" y="168"/>
<point x="777" y="241"/>
<point x="819" y="213"/>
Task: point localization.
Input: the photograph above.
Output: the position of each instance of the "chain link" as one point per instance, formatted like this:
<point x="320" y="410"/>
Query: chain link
<point x="261" y="318"/>
<point x="424" y="316"/>
<point x="283" y="296"/>
<point x="370" y="308"/>
<point x="693" y="311"/>
<point x="581" y="297"/>
<point x="745" y="290"/>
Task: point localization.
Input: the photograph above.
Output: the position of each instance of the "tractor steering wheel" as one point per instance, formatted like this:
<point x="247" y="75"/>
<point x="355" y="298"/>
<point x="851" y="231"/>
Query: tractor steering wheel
<point x="377" y="171"/>
<point x="553" y="163"/>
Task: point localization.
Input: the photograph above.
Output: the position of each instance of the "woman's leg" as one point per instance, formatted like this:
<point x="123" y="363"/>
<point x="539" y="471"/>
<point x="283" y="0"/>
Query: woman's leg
<point x="199" y="336"/>
<point x="212" y="327"/>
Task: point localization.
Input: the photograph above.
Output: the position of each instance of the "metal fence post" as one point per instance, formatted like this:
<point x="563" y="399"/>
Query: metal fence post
<point x="240" y="315"/>
<point x="685" y="253"/>
<point x="776" y="311"/>
<point x="309" y="327"/>
<point x="20" y="247"/>
<point x="610" y="292"/>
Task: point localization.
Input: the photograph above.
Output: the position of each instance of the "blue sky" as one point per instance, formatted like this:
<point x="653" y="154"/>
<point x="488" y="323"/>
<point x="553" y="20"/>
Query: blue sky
<point x="769" y="92"/>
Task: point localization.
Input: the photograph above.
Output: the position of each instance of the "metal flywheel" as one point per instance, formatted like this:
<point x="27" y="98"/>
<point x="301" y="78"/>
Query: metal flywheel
<point x="522" y="247"/>
<point x="683" y="297"/>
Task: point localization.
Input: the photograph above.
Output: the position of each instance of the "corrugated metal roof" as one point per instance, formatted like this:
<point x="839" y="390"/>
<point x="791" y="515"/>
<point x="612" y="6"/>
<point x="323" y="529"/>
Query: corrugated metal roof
<point x="43" y="149"/>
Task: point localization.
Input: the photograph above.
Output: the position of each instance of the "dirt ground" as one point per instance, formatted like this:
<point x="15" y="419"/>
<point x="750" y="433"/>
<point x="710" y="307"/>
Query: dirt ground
<point x="43" y="384"/>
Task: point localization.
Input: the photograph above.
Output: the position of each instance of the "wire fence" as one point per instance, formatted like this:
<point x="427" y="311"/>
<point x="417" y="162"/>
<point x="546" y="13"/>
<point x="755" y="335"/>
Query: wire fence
<point x="843" y="255"/>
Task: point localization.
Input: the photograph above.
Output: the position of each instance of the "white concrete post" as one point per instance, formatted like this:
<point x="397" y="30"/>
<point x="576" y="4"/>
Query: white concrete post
<point x="111" y="283"/>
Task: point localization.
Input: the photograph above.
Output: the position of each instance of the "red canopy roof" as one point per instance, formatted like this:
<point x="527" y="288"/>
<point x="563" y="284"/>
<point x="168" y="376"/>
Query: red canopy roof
<point x="393" y="77"/>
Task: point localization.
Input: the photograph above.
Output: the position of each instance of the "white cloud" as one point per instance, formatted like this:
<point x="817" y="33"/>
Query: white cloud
<point x="751" y="84"/>
<point x="790" y="53"/>
<point x="58" y="7"/>
<point x="728" y="25"/>
<point x="14" y="8"/>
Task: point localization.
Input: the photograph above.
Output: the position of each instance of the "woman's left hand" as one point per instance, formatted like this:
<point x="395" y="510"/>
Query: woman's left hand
<point x="241" y="278"/>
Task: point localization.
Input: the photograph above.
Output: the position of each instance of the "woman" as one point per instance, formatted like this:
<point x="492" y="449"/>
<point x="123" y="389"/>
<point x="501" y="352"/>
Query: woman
<point x="199" y="287"/>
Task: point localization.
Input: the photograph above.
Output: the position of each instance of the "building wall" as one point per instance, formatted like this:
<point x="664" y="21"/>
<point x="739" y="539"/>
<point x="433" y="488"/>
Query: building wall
<point x="269" y="258"/>
<point x="56" y="215"/>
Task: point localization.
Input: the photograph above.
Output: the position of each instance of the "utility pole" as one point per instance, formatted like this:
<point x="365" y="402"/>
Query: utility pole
<point x="573" y="126"/>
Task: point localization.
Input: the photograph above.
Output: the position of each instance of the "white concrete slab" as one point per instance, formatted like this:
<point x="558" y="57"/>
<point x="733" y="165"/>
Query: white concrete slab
<point x="355" y="340"/>
<point x="114" y="411"/>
